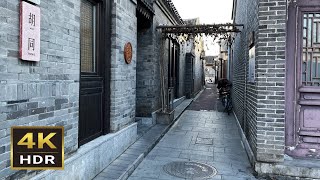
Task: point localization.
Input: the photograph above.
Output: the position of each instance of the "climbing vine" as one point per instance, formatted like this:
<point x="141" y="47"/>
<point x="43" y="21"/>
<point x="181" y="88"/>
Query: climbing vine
<point x="226" y="31"/>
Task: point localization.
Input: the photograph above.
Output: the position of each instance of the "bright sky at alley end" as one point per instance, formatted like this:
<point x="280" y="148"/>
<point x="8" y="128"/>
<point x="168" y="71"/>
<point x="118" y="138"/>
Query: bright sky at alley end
<point x="209" y="11"/>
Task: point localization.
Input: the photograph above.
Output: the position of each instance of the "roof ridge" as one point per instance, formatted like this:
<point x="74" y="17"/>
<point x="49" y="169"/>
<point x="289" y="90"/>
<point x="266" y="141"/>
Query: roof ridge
<point x="174" y="10"/>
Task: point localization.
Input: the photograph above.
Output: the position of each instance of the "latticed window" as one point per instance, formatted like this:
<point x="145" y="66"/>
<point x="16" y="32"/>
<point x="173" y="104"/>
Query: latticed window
<point x="311" y="49"/>
<point x="88" y="36"/>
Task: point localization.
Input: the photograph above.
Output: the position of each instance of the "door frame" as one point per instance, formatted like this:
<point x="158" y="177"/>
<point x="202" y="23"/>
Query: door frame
<point x="104" y="56"/>
<point x="293" y="54"/>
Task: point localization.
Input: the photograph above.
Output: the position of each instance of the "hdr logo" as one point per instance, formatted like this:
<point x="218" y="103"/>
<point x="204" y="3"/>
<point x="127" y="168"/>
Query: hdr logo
<point x="37" y="148"/>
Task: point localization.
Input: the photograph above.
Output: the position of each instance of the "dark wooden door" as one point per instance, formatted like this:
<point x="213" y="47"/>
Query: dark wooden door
<point x="177" y="70"/>
<point x="92" y="80"/>
<point x="192" y="75"/>
<point x="304" y="123"/>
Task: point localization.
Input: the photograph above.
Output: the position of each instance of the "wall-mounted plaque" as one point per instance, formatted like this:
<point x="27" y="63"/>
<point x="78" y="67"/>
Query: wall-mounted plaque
<point x="29" y="32"/>
<point x="252" y="65"/>
<point x="35" y="1"/>
<point x="128" y="53"/>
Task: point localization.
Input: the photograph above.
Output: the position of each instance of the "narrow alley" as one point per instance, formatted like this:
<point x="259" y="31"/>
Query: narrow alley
<point x="201" y="135"/>
<point x="128" y="89"/>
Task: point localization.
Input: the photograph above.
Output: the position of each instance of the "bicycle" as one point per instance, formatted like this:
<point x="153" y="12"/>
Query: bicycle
<point x="225" y="95"/>
<point x="227" y="102"/>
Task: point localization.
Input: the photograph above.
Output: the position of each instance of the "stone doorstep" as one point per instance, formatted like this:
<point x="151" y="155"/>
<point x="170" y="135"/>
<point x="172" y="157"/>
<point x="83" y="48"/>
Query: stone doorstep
<point x="288" y="170"/>
<point x="290" y="167"/>
<point x="145" y="151"/>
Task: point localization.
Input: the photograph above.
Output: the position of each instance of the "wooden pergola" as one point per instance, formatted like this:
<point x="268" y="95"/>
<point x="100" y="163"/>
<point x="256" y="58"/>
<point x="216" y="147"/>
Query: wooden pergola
<point x="207" y="29"/>
<point x="224" y="31"/>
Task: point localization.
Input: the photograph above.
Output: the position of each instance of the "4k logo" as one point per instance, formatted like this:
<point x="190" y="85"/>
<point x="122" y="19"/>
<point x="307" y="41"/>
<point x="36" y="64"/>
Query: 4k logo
<point x="37" y="148"/>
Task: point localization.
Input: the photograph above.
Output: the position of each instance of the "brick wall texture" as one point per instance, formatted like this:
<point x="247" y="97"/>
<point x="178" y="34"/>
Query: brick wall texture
<point x="244" y="93"/>
<point x="47" y="92"/>
<point x="259" y="106"/>
<point x="123" y="76"/>
<point x="40" y="93"/>
<point x="148" y="63"/>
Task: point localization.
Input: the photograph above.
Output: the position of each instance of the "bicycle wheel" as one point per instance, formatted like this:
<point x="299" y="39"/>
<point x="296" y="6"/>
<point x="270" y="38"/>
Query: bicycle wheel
<point x="229" y="106"/>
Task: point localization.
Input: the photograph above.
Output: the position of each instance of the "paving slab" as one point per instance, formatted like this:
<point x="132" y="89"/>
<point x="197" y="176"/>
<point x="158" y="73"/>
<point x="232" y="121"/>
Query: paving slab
<point x="149" y="136"/>
<point x="210" y="137"/>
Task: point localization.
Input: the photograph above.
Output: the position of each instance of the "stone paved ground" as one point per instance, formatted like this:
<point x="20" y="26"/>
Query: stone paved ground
<point x="209" y="137"/>
<point x="148" y="137"/>
<point x="207" y="100"/>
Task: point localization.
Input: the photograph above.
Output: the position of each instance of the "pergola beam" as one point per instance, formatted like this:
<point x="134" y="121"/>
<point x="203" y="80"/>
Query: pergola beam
<point x="201" y="29"/>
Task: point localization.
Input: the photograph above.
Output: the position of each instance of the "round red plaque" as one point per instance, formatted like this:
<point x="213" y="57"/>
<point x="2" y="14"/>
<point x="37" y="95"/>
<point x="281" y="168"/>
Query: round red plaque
<point x="128" y="52"/>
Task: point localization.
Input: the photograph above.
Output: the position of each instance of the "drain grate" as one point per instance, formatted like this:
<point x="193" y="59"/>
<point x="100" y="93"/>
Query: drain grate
<point x="190" y="170"/>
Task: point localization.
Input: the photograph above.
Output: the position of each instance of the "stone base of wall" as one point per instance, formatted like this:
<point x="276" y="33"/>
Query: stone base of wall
<point x="93" y="157"/>
<point x="245" y="142"/>
<point x="290" y="167"/>
<point x="293" y="168"/>
<point x="145" y="120"/>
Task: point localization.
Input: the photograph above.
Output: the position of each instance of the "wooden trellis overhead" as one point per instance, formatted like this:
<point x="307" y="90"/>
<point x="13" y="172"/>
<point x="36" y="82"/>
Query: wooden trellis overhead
<point x="210" y="29"/>
<point x="224" y="31"/>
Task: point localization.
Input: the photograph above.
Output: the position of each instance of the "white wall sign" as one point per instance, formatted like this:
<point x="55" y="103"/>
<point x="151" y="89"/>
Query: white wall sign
<point x="29" y="32"/>
<point x="252" y="64"/>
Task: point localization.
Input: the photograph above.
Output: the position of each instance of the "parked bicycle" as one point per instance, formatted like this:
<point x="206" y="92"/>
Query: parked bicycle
<point x="224" y="87"/>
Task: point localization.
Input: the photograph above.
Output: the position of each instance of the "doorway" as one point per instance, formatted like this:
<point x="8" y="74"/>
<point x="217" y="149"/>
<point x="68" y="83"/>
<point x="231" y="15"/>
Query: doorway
<point x="94" y="84"/>
<point x="303" y="68"/>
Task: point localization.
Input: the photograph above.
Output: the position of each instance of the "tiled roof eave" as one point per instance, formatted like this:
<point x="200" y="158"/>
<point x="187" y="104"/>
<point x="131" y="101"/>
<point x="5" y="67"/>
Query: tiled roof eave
<point x="174" y="11"/>
<point x="147" y="5"/>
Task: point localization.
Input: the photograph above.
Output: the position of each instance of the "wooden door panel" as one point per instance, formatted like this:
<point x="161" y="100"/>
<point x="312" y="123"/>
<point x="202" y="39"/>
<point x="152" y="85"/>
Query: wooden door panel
<point x="306" y="127"/>
<point x="309" y="116"/>
<point x="92" y="80"/>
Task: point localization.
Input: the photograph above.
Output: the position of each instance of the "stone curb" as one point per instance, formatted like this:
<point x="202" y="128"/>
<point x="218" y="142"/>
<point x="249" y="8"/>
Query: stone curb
<point x="132" y="167"/>
<point x="125" y="175"/>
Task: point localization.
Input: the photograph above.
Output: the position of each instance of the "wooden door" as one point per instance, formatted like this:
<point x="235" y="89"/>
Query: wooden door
<point x="303" y="114"/>
<point x="92" y="80"/>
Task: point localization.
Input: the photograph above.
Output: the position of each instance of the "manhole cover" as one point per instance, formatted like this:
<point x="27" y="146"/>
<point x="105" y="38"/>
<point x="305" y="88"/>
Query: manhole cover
<point x="190" y="170"/>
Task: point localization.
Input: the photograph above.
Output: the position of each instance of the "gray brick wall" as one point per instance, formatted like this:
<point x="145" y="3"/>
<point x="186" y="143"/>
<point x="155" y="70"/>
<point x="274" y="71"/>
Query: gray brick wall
<point x="123" y="76"/>
<point x="182" y="70"/>
<point x="244" y="93"/>
<point x="148" y="66"/>
<point x="260" y="106"/>
<point x="271" y="80"/>
<point x="188" y="75"/>
<point x="39" y="93"/>
<point x="193" y="69"/>
<point x="148" y="84"/>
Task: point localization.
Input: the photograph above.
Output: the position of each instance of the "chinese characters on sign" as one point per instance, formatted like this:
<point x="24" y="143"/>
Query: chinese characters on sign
<point x="29" y="32"/>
